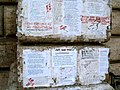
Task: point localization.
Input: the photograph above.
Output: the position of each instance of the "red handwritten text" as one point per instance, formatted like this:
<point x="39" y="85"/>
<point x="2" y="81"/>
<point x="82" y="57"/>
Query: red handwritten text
<point x="30" y="83"/>
<point x="92" y="19"/>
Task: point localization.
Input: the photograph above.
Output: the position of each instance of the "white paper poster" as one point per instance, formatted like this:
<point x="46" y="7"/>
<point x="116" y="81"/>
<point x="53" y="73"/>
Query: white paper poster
<point x="36" y="66"/>
<point x="88" y="66"/>
<point x="71" y="17"/>
<point x="95" y="19"/>
<point x="93" y="65"/>
<point x="103" y="60"/>
<point x="64" y="64"/>
<point x="39" y="20"/>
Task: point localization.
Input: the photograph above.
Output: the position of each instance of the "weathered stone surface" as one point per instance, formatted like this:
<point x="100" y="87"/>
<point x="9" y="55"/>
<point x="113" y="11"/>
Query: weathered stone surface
<point x="89" y="27"/>
<point x="1" y="20"/>
<point x="7" y="53"/>
<point x="4" y="75"/>
<point x="116" y="4"/>
<point x="85" y="69"/>
<point x="115" y="69"/>
<point x="12" y="81"/>
<point x="10" y="20"/>
<point x="89" y="87"/>
<point x="115" y="22"/>
<point x="57" y="39"/>
<point x="7" y="40"/>
<point x="10" y="54"/>
<point x="114" y="45"/>
<point x="8" y="1"/>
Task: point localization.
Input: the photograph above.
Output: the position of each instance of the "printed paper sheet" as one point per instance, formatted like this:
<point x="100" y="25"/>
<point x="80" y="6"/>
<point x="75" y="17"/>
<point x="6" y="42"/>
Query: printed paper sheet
<point x="95" y="19"/>
<point x="39" y="20"/>
<point x="64" y="64"/>
<point x="103" y="60"/>
<point x="93" y="65"/>
<point x="36" y="68"/>
<point x="67" y="17"/>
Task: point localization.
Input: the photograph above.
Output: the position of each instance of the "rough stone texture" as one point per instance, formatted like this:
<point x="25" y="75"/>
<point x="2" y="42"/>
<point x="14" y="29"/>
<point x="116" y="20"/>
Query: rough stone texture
<point x="116" y="4"/>
<point x="8" y="1"/>
<point x="115" y="22"/>
<point x="7" y="53"/>
<point x="10" y="20"/>
<point x="4" y="80"/>
<point x="56" y="39"/>
<point x="1" y="20"/>
<point x="114" y="45"/>
<point x="115" y="69"/>
<point x="12" y="81"/>
<point x="91" y="65"/>
<point x="90" y="87"/>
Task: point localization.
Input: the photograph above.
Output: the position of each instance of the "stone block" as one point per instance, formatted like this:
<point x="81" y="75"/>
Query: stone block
<point x="7" y="53"/>
<point x="86" y="23"/>
<point x="10" y="20"/>
<point x="4" y="75"/>
<point x="45" y="65"/>
<point x="114" y="45"/>
<point x="115" y="22"/>
<point x="115" y="4"/>
<point x="1" y="20"/>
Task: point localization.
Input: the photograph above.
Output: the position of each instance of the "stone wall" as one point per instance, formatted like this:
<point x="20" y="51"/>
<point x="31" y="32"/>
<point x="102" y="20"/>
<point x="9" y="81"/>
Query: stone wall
<point x="8" y="65"/>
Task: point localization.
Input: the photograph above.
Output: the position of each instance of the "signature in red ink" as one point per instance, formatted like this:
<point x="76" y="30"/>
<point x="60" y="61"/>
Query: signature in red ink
<point x="62" y="27"/>
<point x="48" y="7"/>
<point x="31" y="82"/>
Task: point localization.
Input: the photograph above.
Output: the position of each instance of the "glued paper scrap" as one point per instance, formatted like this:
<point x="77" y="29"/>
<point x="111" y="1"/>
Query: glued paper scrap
<point x="38" y="20"/>
<point x="64" y="64"/>
<point x="36" y="63"/>
<point x="68" y="23"/>
<point x="103" y="60"/>
<point x="93" y="65"/>
<point x="36" y="66"/>
<point x="95" y="19"/>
